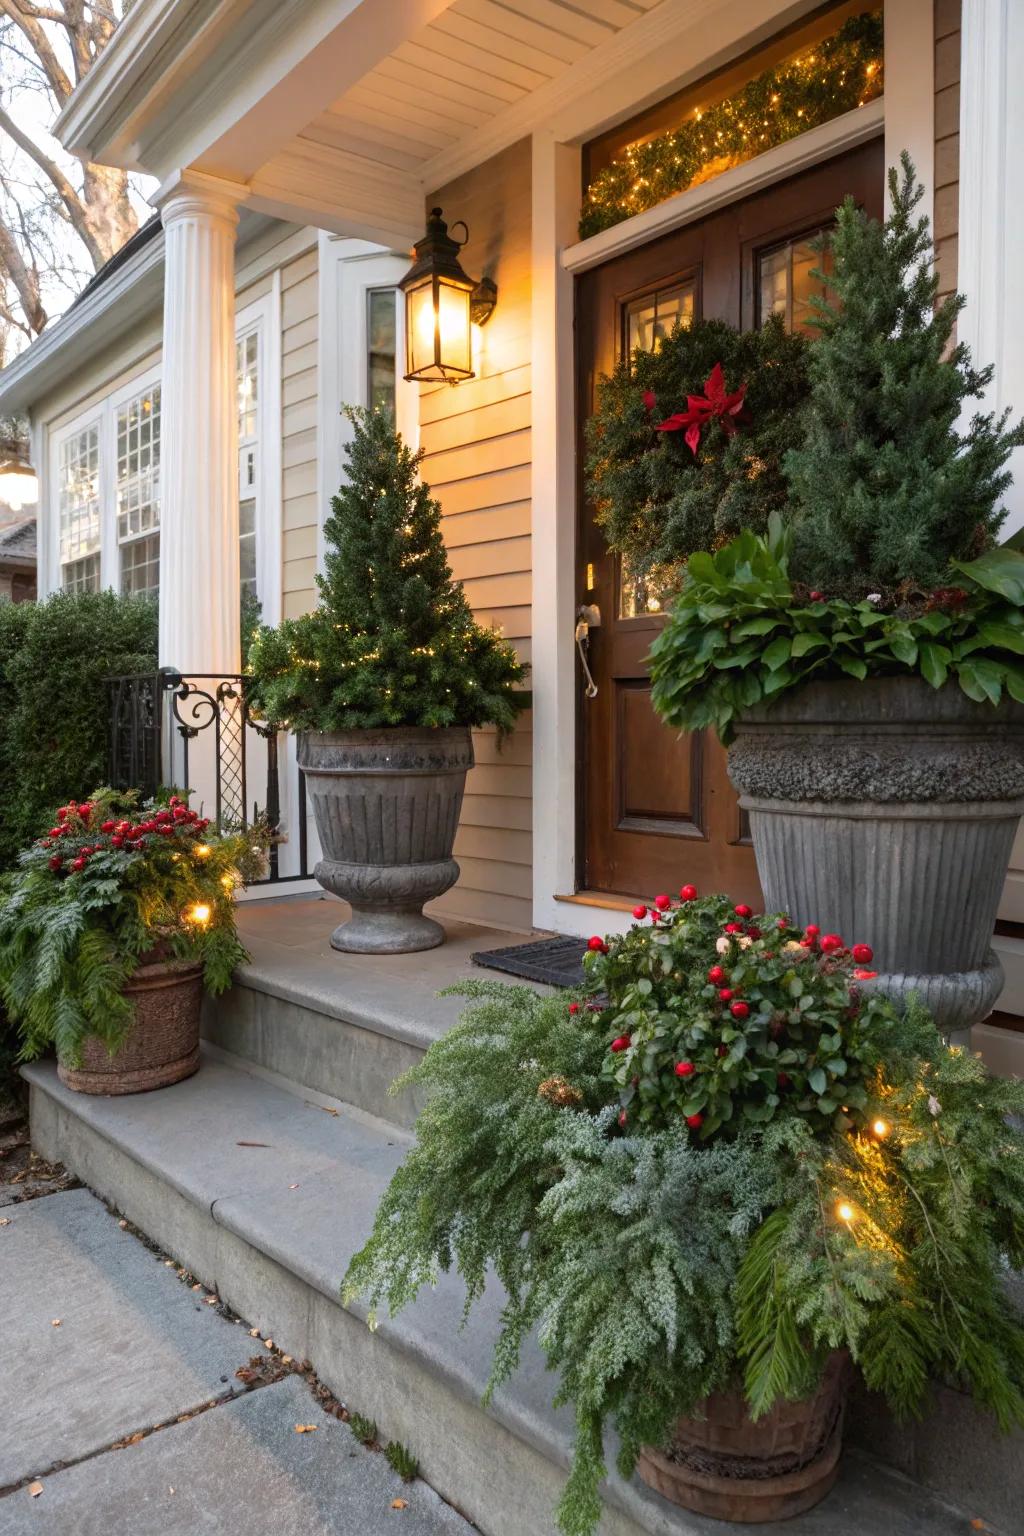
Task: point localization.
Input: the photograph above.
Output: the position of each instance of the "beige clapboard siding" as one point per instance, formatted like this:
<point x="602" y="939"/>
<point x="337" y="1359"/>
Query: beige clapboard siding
<point x="947" y="140"/>
<point x="477" y="458"/>
<point x="299" y="404"/>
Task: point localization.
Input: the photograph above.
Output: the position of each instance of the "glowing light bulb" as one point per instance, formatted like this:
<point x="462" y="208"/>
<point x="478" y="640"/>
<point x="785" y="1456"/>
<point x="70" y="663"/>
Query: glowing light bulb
<point x="202" y="850"/>
<point x="880" y="1128"/>
<point x="200" y="914"/>
<point x="844" y="1211"/>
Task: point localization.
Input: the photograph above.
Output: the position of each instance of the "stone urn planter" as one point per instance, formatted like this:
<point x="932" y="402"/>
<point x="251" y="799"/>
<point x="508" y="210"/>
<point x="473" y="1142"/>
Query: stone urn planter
<point x="162" y="1046"/>
<point x="387" y="806"/>
<point x="885" y="811"/>
<point x="724" y="1464"/>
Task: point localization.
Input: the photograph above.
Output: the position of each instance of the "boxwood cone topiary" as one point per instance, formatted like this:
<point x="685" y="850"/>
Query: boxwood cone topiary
<point x="393" y="641"/>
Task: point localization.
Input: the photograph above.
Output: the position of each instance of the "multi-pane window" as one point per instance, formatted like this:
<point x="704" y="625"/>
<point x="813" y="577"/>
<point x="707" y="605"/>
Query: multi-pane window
<point x="654" y="317"/>
<point x="786" y="285"/>
<point x="79" y="505"/>
<point x="380" y="348"/>
<point x="247" y="365"/>
<point x="137" y="492"/>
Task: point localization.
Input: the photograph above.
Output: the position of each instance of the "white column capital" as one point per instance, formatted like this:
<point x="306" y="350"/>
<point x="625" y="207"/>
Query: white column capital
<point x="191" y="194"/>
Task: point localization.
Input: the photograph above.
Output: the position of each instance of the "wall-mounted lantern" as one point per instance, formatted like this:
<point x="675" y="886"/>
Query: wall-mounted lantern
<point x="19" y="486"/>
<point x="441" y="305"/>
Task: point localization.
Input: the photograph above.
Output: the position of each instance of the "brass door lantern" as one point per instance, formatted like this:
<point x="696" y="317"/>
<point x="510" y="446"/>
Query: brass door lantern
<point x="441" y="305"/>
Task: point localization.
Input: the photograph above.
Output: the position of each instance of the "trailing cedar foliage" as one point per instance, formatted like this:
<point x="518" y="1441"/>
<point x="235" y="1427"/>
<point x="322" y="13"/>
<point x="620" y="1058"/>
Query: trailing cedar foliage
<point x="887" y="490"/>
<point x="660" y="1262"/>
<point x="393" y="641"/>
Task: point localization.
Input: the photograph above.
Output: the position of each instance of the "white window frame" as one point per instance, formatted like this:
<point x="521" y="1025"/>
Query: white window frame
<point x="93" y="417"/>
<point x="262" y="318"/>
<point x="140" y="385"/>
<point x="349" y="270"/>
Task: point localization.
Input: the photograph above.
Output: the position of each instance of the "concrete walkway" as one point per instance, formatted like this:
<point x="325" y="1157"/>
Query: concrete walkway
<point x="121" y="1413"/>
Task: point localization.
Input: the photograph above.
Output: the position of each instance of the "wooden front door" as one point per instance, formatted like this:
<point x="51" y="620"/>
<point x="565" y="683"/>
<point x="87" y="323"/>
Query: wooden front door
<point x="658" y="809"/>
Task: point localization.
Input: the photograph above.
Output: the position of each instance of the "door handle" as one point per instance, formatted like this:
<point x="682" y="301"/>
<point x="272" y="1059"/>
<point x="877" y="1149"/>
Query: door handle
<point x="588" y="617"/>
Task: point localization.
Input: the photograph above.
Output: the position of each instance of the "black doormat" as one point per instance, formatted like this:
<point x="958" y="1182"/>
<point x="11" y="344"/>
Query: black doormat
<point x="558" y="962"/>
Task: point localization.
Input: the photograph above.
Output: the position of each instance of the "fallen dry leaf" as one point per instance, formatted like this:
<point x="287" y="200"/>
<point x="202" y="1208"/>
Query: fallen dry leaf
<point x="211" y="1301"/>
<point x="978" y="1525"/>
<point x="252" y="1143"/>
<point x="326" y="1109"/>
<point x="306" y="1429"/>
<point x="55" y="1323"/>
<point x="5" y="1221"/>
<point x="170" y="1489"/>
<point x="134" y="1439"/>
<point x="123" y="1225"/>
<point x="35" y="1489"/>
<point x="399" y="1504"/>
<point x="269" y="1343"/>
<point x="293" y="1186"/>
<point x="254" y="1333"/>
<point x="286" y="1359"/>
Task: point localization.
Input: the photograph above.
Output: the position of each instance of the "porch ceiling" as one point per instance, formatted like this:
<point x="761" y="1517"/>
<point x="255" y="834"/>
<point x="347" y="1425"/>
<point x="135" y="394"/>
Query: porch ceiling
<point x="248" y="90"/>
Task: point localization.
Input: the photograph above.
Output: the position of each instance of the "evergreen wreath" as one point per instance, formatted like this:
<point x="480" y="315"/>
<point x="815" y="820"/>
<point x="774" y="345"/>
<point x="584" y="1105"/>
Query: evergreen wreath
<point x="393" y="641"/>
<point x="656" y="499"/>
<point x="660" y="1265"/>
<point x="838" y="75"/>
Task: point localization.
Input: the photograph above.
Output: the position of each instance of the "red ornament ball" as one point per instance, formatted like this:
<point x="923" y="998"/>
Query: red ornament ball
<point x="688" y="893"/>
<point x="117" y="840"/>
<point x="623" y="1117"/>
<point x="695" y="1121"/>
<point x="574" y="1007"/>
<point x="783" y="1080"/>
<point x="733" y="928"/>
<point x="662" y="902"/>
<point x="107" y="826"/>
<point x="740" y="1010"/>
<point x="830" y="943"/>
<point x="56" y="861"/>
<point x="722" y="1050"/>
<point x="595" y="943"/>
<point x="716" y="974"/>
<point x="78" y="864"/>
<point x="743" y="910"/>
<point x="622" y="1043"/>
<point x="811" y="931"/>
<point x="685" y="1069"/>
<point x="817" y="597"/>
<point x="725" y="995"/>
<point x="640" y="912"/>
<point x="863" y="954"/>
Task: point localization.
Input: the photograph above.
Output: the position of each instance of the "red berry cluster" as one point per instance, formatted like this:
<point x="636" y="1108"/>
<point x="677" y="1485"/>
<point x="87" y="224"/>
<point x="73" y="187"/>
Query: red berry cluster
<point x="132" y="835"/>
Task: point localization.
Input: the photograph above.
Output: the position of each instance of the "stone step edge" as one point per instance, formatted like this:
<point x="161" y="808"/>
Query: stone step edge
<point x="259" y="978"/>
<point x="641" y="1513"/>
<point x="630" y="1508"/>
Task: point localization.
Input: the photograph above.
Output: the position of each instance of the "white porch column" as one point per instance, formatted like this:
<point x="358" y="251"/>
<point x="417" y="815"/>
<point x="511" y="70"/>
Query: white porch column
<point x="199" y="579"/>
<point x="992" y="210"/>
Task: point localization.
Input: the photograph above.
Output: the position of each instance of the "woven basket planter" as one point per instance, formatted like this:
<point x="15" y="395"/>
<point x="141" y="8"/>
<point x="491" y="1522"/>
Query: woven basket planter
<point x="726" y="1465"/>
<point x="162" y="1046"/>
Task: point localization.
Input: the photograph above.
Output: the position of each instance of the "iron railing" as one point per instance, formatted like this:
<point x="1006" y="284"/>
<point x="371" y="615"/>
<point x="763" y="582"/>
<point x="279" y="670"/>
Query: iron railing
<point x="199" y="732"/>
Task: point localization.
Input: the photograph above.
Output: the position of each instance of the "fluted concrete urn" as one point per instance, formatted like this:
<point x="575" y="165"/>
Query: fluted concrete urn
<point x="886" y="810"/>
<point x="387" y="805"/>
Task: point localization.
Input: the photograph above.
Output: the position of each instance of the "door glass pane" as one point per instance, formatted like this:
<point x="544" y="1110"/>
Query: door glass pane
<point x="380" y="349"/>
<point x="650" y="319"/>
<point x="247" y="544"/>
<point x="786" y="285"/>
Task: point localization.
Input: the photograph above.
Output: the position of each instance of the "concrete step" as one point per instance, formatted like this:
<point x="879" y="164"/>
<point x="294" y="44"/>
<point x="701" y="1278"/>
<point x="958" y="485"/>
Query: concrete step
<point x="264" y="1194"/>
<point x="344" y="1025"/>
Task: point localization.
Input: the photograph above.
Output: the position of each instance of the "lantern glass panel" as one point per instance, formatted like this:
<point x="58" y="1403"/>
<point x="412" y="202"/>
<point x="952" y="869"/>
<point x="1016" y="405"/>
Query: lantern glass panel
<point x="420" y="326"/>
<point x="453" y="313"/>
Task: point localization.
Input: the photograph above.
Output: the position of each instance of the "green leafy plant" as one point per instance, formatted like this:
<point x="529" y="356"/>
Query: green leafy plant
<point x="393" y="641"/>
<point x="887" y="491"/>
<point x="660" y="1263"/>
<point x="109" y="885"/>
<point x="742" y="633"/>
<point x="402" y="1461"/>
<point x="655" y="498"/>
<point x="730" y="1022"/>
<point x="838" y="75"/>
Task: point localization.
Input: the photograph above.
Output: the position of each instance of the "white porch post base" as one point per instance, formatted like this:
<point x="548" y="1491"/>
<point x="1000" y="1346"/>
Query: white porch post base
<point x="199" y="578"/>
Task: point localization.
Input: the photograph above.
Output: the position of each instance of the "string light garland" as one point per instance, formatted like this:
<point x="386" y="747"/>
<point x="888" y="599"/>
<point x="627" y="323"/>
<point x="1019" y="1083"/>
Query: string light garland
<point x="841" y="73"/>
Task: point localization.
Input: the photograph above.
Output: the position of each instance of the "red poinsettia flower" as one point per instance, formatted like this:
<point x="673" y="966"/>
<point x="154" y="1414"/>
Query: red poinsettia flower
<point x="716" y="404"/>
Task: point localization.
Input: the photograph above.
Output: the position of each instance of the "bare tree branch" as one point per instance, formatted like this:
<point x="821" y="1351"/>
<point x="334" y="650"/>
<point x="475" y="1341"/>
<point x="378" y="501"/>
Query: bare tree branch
<point x="44" y="51"/>
<point x="25" y="280"/>
<point x="65" y="191"/>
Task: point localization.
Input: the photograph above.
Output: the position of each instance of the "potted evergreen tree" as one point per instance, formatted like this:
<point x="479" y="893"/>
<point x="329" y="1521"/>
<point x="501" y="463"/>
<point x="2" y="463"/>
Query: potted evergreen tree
<point x="383" y="681"/>
<point x="865" y="658"/>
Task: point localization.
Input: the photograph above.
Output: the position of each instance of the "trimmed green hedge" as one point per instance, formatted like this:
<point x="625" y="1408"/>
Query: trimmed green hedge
<point x="54" y="658"/>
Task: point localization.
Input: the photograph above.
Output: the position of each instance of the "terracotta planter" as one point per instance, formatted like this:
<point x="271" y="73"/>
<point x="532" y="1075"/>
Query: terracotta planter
<point x="886" y="811"/>
<point x="162" y="1046"/>
<point x="730" y="1467"/>
<point x="387" y="806"/>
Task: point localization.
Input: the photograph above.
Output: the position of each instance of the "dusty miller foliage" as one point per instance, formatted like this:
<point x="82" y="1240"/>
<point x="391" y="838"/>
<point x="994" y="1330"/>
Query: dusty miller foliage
<point x="393" y="641"/>
<point x="655" y="1270"/>
<point x="886" y="488"/>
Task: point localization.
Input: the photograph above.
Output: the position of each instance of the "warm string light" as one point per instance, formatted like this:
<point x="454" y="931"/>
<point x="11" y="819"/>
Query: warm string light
<point x="845" y="1212"/>
<point x="198" y="914"/>
<point x="842" y="74"/>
